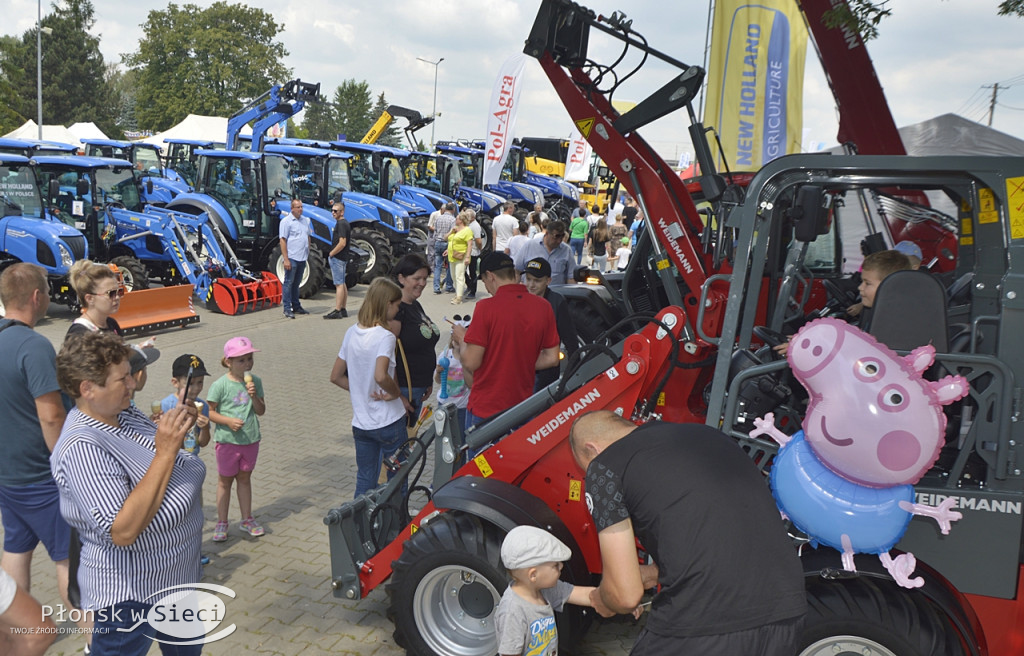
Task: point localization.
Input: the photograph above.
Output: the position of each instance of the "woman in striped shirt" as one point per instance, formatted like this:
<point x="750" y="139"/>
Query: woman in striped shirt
<point x="133" y="494"/>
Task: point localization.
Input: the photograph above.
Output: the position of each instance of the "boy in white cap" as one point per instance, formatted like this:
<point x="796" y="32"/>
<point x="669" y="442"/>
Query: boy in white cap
<point x="525" y="618"/>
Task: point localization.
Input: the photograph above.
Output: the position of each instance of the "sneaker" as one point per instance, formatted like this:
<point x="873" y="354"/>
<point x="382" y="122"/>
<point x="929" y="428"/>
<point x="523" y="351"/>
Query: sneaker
<point x="333" y="314"/>
<point x="449" y="291"/>
<point x="300" y="310"/>
<point x="437" y="291"/>
<point x="288" y="314"/>
<point x="456" y="300"/>
<point x="344" y="313"/>
<point x="471" y="295"/>
<point x="220" y="532"/>
<point x="204" y="559"/>
<point x="251" y="527"/>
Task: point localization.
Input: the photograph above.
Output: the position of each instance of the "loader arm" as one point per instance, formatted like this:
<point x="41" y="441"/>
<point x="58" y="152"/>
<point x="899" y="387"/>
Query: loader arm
<point x="416" y="122"/>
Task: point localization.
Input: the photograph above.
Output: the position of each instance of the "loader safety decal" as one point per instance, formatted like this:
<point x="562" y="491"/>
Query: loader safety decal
<point x="1015" y="204"/>
<point x="585" y="125"/>
<point x="987" y="212"/>
<point x="575" y="489"/>
<point x="485" y="469"/>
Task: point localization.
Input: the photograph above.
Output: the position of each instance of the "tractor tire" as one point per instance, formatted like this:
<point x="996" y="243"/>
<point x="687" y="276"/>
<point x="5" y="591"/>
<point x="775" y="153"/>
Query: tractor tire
<point x="133" y="272"/>
<point x="419" y="229"/>
<point x="312" y="276"/>
<point x="446" y="586"/>
<point x="876" y="618"/>
<point x="485" y="222"/>
<point x="379" y="248"/>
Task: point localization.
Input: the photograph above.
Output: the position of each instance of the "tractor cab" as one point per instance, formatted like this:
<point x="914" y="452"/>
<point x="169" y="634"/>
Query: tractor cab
<point x="146" y="158"/>
<point x="182" y="158"/>
<point x="31" y="147"/>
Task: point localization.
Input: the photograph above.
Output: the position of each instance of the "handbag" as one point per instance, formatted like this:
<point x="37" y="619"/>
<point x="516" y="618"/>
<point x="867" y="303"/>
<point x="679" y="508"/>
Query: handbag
<point x="411" y="425"/>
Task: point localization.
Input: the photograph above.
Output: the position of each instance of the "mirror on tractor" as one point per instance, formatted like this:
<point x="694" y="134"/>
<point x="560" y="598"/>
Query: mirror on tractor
<point x="149" y="185"/>
<point x="810" y="213"/>
<point x="52" y="190"/>
<point x="82" y="187"/>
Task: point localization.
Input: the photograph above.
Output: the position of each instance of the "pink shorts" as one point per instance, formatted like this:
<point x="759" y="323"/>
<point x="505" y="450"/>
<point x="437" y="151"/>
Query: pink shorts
<point x="233" y="458"/>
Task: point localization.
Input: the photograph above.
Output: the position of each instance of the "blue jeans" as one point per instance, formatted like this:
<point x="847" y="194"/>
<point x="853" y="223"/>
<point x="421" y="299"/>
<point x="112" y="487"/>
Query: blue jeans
<point x="371" y="448"/>
<point x="577" y="247"/>
<point x="292" y="278"/>
<point x="439" y="248"/>
<point x="108" y="641"/>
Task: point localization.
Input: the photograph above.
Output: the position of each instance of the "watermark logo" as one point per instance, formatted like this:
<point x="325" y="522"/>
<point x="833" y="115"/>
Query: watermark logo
<point x="187" y="614"/>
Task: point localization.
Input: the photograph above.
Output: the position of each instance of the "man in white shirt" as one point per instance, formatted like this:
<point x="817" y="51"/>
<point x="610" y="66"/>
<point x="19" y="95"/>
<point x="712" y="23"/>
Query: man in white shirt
<point x="504" y="227"/>
<point x="294" y="232"/>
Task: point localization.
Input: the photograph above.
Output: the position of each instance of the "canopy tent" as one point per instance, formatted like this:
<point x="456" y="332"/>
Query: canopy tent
<point x="87" y="131"/>
<point x="30" y="130"/>
<point x="194" y="126"/>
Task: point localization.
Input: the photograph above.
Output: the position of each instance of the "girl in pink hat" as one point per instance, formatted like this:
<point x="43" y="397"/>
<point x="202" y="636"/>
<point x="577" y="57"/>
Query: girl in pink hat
<point x="236" y="402"/>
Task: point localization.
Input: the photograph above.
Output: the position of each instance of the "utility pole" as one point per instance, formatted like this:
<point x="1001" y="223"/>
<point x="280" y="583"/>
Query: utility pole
<point x="992" y="105"/>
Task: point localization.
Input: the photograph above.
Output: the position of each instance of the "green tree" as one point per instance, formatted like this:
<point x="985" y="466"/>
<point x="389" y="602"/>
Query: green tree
<point x="392" y="136"/>
<point x="864" y="16"/>
<point x="204" y="61"/>
<point x="121" y="85"/>
<point x="353" y="105"/>
<point x="13" y="107"/>
<point x="74" y="85"/>
<point x="320" y="121"/>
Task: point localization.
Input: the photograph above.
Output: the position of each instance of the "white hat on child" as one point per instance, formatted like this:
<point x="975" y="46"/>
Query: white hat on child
<point x="529" y="546"/>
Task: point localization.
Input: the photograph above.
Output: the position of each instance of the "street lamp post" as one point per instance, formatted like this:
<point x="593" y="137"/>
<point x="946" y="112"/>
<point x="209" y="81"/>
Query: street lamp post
<point x="39" y="67"/>
<point x="434" y="110"/>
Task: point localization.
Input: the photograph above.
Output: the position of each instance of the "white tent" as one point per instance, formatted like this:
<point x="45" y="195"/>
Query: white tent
<point x="87" y="131"/>
<point x="194" y="126"/>
<point x="30" y="130"/>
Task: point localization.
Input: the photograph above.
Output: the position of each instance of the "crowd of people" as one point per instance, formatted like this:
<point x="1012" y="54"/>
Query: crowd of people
<point x="113" y="491"/>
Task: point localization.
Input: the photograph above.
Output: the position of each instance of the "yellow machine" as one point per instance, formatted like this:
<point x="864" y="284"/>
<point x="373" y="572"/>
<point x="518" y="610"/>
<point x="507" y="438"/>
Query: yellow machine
<point x="416" y="122"/>
<point x="547" y="155"/>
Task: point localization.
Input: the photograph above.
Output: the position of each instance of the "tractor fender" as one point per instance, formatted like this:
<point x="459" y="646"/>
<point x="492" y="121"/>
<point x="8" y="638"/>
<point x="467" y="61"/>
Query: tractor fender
<point x="364" y="208"/>
<point x="826" y="563"/>
<point x="489" y="203"/>
<point x="507" y="506"/>
<point x="203" y="203"/>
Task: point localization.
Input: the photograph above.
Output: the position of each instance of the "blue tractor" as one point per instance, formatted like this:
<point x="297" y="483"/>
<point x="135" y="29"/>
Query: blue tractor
<point x="29" y="234"/>
<point x="32" y="147"/>
<point x="183" y="160"/>
<point x="147" y="161"/>
<point x="380" y="227"/>
<point x="525" y="196"/>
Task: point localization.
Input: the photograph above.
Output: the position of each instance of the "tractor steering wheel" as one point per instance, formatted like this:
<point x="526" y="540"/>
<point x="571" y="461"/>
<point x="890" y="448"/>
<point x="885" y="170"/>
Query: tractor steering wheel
<point x="838" y="294"/>
<point x="770" y="337"/>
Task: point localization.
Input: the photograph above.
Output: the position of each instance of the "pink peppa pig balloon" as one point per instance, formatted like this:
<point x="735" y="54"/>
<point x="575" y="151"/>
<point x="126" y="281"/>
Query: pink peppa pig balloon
<point x="873" y="427"/>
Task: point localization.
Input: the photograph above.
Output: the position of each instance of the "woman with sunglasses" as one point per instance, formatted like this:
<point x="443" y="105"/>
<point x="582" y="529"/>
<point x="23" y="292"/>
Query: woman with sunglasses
<point x="99" y="294"/>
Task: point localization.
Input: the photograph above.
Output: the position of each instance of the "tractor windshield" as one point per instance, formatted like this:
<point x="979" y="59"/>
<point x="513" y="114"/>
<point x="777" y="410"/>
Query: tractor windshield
<point x="510" y="171"/>
<point x="182" y="160"/>
<point x="119" y="185"/>
<point x="230" y="180"/>
<point x="421" y="171"/>
<point x="279" y="178"/>
<point x="18" y="192"/>
<point x="305" y="171"/>
<point x="147" y="162"/>
<point x="338" y="178"/>
<point x="365" y="180"/>
<point x="394" y="169"/>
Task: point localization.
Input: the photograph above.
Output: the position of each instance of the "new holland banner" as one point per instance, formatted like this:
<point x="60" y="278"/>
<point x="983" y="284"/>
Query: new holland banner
<point x="756" y="80"/>
<point x="501" y="118"/>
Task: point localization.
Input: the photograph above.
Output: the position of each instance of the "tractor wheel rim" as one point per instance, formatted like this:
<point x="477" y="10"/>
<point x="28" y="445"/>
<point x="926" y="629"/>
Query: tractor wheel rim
<point x="366" y="246"/>
<point x="453" y="608"/>
<point x="846" y="645"/>
<point x="280" y="271"/>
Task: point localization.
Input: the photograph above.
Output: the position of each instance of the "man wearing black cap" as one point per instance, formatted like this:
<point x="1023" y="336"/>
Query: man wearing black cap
<point x="538" y="277"/>
<point x="512" y="335"/>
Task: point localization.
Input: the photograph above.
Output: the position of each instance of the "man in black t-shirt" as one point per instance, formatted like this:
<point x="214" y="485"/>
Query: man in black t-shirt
<point x="731" y="580"/>
<point x="338" y="259"/>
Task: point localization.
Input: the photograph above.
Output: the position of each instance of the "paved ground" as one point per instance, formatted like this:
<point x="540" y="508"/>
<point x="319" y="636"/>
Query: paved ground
<point x="306" y="466"/>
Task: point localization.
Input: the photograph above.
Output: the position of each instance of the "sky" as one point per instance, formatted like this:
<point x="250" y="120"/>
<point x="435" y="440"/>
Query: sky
<point x="932" y="57"/>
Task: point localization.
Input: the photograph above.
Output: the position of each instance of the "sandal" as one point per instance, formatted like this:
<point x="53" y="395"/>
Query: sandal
<point x="220" y="532"/>
<point x="251" y="527"/>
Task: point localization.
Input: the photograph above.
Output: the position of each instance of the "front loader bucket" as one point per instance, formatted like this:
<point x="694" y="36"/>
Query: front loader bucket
<point x="156" y="308"/>
<point x="232" y="296"/>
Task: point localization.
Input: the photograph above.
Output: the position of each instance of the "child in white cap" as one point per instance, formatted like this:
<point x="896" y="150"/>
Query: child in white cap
<point x="525" y="618"/>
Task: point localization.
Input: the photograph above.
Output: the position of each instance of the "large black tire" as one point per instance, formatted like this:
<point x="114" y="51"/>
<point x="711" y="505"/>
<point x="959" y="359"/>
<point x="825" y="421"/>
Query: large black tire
<point x="312" y="276"/>
<point x="133" y="272"/>
<point x="874" y="617"/>
<point x="485" y="222"/>
<point x="419" y="229"/>
<point x="446" y="586"/>
<point x="379" y="248"/>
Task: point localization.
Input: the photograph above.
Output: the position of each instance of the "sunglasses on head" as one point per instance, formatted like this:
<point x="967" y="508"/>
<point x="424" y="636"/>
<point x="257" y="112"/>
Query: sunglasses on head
<point x="113" y="293"/>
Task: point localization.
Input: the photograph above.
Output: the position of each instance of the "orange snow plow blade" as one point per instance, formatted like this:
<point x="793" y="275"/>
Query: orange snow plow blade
<point x="232" y="296"/>
<point x="157" y="308"/>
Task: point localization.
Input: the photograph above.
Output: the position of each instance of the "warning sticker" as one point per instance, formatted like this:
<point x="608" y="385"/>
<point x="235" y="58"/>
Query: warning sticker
<point x="1015" y="206"/>
<point x="987" y="212"/>
<point x="585" y="125"/>
<point x="485" y="468"/>
<point x="575" y="489"/>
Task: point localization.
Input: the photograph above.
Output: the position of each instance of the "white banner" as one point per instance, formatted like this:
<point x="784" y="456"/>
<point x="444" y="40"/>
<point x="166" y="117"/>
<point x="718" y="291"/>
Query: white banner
<point x="577" y="160"/>
<point x="501" y="118"/>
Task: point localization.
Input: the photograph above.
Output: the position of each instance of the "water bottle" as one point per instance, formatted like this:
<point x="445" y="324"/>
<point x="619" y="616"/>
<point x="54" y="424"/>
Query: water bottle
<point x="444" y="363"/>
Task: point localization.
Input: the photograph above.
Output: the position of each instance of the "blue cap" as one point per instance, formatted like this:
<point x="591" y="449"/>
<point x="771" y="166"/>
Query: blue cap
<point x="909" y="248"/>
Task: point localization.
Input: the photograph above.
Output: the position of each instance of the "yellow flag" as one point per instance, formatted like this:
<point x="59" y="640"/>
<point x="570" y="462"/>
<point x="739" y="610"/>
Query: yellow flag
<point x="756" y="80"/>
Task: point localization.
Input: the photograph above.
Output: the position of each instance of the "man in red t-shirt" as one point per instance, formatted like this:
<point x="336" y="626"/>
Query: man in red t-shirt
<point x="512" y="335"/>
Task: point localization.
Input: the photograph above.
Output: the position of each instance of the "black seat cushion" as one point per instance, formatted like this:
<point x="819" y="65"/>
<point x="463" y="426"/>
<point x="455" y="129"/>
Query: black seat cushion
<point x="910" y="311"/>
